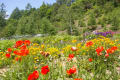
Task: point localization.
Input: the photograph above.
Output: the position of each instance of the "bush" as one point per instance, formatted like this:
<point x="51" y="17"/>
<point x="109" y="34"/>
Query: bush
<point x="82" y="23"/>
<point x="92" y="20"/>
<point x="37" y="40"/>
<point x="47" y="27"/>
<point x="115" y="24"/>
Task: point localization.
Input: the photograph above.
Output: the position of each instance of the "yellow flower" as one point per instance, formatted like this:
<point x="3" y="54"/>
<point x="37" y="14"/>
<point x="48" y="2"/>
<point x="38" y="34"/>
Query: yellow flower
<point x="74" y="41"/>
<point x="42" y="46"/>
<point x="35" y="44"/>
<point x="35" y="67"/>
<point x="35" y="62"/>
<point x="62" y="52"/>
<point x="84" y="53"/>
<point x="33" y="53"/>
<point x="36" y="58"/>
<point x="53" y="50"/>
<point x="1" y="52"/>
<point x="67" y="48"/>
<point x="79" y="44"/>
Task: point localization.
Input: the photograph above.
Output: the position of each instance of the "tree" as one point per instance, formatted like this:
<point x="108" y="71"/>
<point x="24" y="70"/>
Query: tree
<point x="2" y="16"/>
<point x="10" y="28"/>
<point x="92" y="20"/>
<point x="28" y="7"/>
<point x="2" y="22"/>
<point x="60" y="2"/>
<point x="67" y="2"/>
<point x="43" y="10"/>
<point x="16" y="14"/>
<point x="2" y="10"/>
<point x="47" y="27"/>
<point x="115" y="24"/>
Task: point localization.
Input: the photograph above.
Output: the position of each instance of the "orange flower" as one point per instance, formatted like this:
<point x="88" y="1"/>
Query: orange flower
<point x="109" y="51"/>
<point x="71" y="71"/>
<point x="35" y="67"/>
<point x="22" y="52"/>
<point x="114" y="48"/>
<point x="90" y="43"/>
<point x="99" y="50"/>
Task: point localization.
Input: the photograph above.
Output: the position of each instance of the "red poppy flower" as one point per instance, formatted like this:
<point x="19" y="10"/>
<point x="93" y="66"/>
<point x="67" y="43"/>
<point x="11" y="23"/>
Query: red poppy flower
<point x="27" y="42"/>
<point x="99" y="50"/>
<point x="109" y="51"/>
<point x="90" y="43"/>
<point x="36" y="74"/>
<point x="24" y="52"/>
<point x="106" y="55"/>
<point x="73" y="48"/>
<point x="23" y="47"/>
<point x="16" y="52"/>
<point x="9" y="50"/>
<point x="114" y="48"/>
<point x="33" y="76"/>
<point x="90" y="59"/>
<point x="71" y="71"/>
<point x="70" y="57"/>
<point x="78" y="79"/>
<point x="7" y="55"/>
<point x="18" y="58"/>
<point x="44" y="70"/>
<point x="19" y="43"/>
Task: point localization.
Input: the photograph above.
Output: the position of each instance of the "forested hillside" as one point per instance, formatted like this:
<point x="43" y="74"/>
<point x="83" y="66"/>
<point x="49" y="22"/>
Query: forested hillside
<point x="72" y="17"/>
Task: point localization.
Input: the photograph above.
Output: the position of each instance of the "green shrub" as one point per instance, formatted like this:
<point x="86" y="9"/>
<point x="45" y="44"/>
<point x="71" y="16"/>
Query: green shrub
<point x="82" y="23"/>
<point x="37" y="40"/>
<point x="91" y="20"/>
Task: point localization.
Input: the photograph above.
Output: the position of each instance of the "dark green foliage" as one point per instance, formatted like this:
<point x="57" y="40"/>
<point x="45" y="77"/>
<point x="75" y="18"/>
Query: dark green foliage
<point x="82" y="23"/>
<point x="28" y="7"/>
<point x="2" y="22"/>
<point x="2" y="16"/>
<point x="10" y="29"/>
<point x="115" y="24"/>
<point x="16" y="14"/>
<point x="43" y="10"/>
<point x="92" y="20"/>
<point x="76" y="31"/>
<point x="2" y="10"/>
<point x="47" y="27"/>
<point x="26" y="26"/>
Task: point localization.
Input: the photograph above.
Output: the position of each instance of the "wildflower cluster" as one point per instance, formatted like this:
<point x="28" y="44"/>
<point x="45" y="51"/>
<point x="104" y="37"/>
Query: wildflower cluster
<point x="75" y="60"/>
